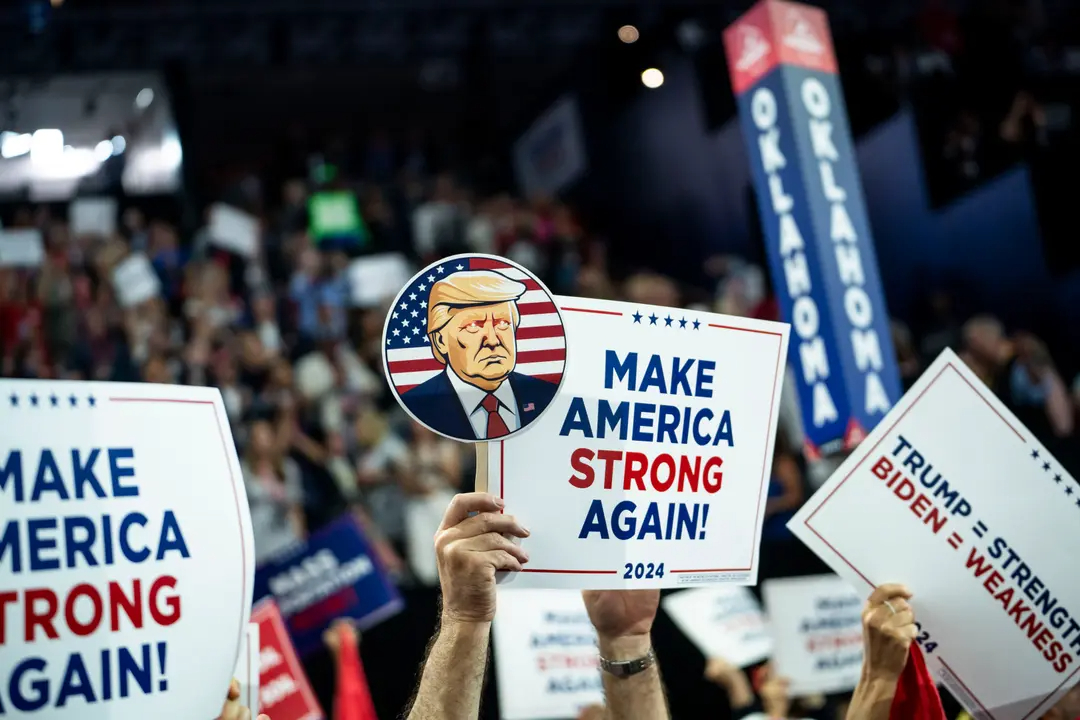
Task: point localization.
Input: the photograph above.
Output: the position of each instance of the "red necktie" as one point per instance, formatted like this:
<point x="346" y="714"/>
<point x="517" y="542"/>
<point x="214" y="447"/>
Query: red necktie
<point x="496" y="428"/>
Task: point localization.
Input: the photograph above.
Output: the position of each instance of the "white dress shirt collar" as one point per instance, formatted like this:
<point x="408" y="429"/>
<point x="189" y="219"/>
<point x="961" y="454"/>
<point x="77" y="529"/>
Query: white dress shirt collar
<point x="471" y="398"/>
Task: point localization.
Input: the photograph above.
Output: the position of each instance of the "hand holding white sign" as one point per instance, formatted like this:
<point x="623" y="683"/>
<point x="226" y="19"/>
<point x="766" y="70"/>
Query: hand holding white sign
<point x="470" y="550"/>
<point x="233" y="710"/>
<point x="888" y="631"/>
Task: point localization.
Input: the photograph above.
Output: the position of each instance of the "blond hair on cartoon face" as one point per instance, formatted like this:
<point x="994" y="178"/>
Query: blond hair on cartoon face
<point x="472" y="322"/>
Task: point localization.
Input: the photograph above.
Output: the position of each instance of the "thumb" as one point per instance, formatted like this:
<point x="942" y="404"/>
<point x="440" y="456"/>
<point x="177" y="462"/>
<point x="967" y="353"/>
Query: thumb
<point x="264" y="717"/>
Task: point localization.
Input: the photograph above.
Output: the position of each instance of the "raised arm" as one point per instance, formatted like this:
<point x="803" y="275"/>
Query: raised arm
<point x="470" y="550"/>
<point x="623" y="620"/>
<point x="888" y="629"/>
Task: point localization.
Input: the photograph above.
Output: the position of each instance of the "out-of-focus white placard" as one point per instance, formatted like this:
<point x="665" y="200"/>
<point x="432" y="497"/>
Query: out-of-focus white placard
<point x="128" y="531"/>
<point x="546" y="661"/>
<point x="723" y="622"/>
<point x="234" y="230"/>
<point x="650" y="467"/>
<point x="375" y="279"/>
<point x="21" y="247"/>
<point x="93" y="216"/>
<point x="135" y="281"/>
<point x="817" y="625"/>
<point x="550" y="156"/>
<point x="954" y="497"/>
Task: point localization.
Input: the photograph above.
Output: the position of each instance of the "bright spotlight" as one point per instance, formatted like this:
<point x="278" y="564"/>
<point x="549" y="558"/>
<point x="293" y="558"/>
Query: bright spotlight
<point x="119" y="144"/>
<point x="103" y="150"/>
<point x="629" y="34"/>
<point x="144" y="98"/>
<point x="14" y="144"/>
<point x="46" y="146"/>
<point x="652" y="78"/>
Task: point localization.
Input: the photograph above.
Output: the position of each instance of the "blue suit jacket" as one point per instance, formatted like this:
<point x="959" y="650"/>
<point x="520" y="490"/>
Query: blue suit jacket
<point x="435" y="403"/>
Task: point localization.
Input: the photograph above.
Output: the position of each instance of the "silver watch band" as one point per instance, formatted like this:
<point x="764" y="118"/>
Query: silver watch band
<point x="626" y="668"/>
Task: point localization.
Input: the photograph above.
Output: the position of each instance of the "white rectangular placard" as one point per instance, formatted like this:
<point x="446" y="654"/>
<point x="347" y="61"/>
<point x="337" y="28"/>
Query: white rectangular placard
<point x="723" y="622"/>
<point x="954" y="497"/>
<point x="93" y="216"/>
<point x="135" y="281"/>
<point x="375" y="279"/>
<point x="103" y="517"/>
<point x="234" y="230"/>
<point x="650" y="466"/>
<point x="817" y="625"/>
<point x="21" y="247"/>
<point x="247" y="669"/>
<point x="546" y="660"/>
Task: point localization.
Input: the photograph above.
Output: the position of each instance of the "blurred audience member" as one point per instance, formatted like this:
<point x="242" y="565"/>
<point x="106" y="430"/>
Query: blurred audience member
<point x="274" y="491"/>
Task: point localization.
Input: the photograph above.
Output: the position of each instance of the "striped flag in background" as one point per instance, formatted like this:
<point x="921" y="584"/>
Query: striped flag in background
<point x="541" y="344"/>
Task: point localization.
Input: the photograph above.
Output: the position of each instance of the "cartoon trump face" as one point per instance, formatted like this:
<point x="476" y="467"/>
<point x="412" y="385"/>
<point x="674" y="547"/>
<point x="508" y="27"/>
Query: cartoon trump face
<point x="472" y="324"/>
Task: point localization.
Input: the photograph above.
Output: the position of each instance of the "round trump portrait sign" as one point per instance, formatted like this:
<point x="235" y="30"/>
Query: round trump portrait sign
<point x="474" y="348"/>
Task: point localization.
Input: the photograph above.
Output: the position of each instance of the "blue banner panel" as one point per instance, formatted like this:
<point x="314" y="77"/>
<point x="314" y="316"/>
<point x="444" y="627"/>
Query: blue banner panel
<point x="820" y="250"/>
<point x="334" y="574"/>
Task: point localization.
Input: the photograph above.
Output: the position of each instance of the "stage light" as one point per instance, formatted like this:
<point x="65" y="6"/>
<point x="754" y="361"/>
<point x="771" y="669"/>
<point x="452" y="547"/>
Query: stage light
<point x="652" y="78"/>
<point x="103" y="150"/>
<point x="629" y="34"/>
<point x="15" y="144"/>
<point x="119" y="144"/>
<point x="144" y="98"/>
<point x="46" y="146"/>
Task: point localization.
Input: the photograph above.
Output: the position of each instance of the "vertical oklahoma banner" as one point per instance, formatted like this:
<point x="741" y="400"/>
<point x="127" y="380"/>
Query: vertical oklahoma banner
<point x="820" y="250"/>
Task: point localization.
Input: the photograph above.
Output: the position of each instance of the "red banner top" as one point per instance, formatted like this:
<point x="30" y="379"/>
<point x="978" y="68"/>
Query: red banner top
<point x="777" y="32"/>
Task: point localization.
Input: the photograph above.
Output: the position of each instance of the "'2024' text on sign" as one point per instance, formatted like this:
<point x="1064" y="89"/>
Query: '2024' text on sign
<point x="650" y="467"/>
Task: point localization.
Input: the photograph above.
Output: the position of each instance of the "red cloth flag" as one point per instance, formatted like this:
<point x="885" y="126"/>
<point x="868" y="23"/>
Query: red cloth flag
<point x="916" y="694"/>
<point x="353" y="699"/>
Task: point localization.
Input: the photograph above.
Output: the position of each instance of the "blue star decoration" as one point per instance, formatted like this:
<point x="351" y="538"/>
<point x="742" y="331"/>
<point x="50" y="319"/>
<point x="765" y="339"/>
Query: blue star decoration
<point x="1057" y="478"/>
<point x="54" y="400"/>
<point x="1034" y="453"/>
<point x="669" y="320"/>
<point x="1046" y="467"/>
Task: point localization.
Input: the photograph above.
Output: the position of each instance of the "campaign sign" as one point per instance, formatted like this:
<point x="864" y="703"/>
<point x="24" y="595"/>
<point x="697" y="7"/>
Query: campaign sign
<point x="546" y="661"/>
<point x="954" y="497"/>
<point x="284" y="690"/>
<point x="474" y="348"/>
<point x="126" y="554"/>
<point x="651" y="466"/>
<point x="335" y="573"/>
<point x="723" y="622"/>
<point x="818" y="241"/>
<point x="817" y="625"/>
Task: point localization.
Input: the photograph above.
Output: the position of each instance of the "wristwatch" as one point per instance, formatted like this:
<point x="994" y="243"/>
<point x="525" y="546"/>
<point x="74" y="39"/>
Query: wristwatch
<point x="626" y="668"/>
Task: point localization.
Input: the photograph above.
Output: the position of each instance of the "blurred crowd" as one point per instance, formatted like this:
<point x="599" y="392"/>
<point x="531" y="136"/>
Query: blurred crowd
<point x="301" y="372"/>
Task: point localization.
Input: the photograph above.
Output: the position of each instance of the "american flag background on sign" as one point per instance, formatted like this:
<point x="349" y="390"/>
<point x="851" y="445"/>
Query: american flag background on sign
<point x="541" y="344"/>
